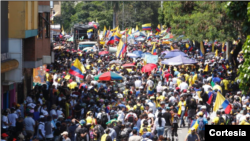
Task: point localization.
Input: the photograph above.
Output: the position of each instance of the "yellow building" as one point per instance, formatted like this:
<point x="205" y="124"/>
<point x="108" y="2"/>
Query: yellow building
<point x="25" y="13"/>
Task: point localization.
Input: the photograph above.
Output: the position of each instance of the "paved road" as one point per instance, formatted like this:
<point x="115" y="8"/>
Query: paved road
<point x="182" y="133"/>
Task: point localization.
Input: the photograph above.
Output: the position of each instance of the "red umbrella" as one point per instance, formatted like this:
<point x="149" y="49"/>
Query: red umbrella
<point x="84" y="85"/>
<point x="128" y="65"/>
<point x="148" y="67"/>
<point x="103" y="52"/>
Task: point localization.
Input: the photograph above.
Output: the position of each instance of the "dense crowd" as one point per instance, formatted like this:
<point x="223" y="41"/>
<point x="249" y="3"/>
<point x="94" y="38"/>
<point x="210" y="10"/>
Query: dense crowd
<point x="141" y="107"/>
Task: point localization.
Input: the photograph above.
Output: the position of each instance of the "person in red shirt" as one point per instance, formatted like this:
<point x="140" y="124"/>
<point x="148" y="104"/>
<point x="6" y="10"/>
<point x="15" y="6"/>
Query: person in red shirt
<point x="167" y="75"/>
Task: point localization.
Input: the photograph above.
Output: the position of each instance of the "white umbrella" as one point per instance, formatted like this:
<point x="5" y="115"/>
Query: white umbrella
<point x="132" y="55"/>
<point x="67" y="36"/>
<point x="88" y="49"/>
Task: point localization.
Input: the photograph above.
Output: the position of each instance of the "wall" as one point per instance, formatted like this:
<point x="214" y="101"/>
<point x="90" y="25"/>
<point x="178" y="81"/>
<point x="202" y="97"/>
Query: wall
<point x="23" y="19"/>
<point x="15" y="52"/>
<point x="4" y="27"/>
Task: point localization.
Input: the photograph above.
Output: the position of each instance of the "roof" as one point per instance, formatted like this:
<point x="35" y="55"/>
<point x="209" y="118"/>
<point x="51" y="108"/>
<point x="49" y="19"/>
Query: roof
<point x="84" y="26"/>
<point x="87" y="42"/>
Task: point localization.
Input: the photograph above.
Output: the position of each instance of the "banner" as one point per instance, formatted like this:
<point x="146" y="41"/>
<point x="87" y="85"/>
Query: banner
<point x="38" y="74"/>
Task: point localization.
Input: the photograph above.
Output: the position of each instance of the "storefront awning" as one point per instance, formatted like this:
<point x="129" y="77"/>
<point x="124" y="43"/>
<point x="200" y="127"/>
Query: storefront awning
<point x="9" y="65"/>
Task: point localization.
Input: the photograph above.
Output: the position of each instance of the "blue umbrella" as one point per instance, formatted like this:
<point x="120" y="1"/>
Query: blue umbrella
<point x="179" y="60"/>
<point x="175" y="53"/>
<point x="138" y="53"/>
<point x="122" y="105"/>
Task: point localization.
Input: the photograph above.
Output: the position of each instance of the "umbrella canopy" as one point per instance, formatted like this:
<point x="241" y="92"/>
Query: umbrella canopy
<point x="132" y="55"/>
<point x="128" y="65"/>
<point x="148" y="67"/>
<point x="138" y="33"/>
<point x="88" y="49"/>
<point x="103" y="52"/>
<point x="168" y="36"/>
<point x="140" y="39"/>
<point x="107" y="76"/>
<point x="138" y="53"/>
<point x="164" y="52"/>
<point x="59" y="47"/>
<point x="84" y="85"/>
<point x="115" y="62"/>
<point x="71" y="39"/>
<point x="67" y="36"/>
<point x="174" y="53"/>
<point x="179" y="60"/>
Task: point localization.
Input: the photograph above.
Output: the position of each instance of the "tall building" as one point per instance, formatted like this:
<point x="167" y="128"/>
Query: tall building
<point x="26" y="47"/>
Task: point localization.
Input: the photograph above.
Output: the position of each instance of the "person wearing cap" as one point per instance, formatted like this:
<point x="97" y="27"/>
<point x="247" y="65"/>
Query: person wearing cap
<point x="206" y="114"/>
<point x="29" y="124"/>
<point x="193" y="136"/>
<point x="4" y="136"/>
<point x="49" y="78"/>
<point x="65" y="136"/>
<point x="135" y="137"/>
<point x="81" y="131"/>
<point x="245" y="120"/>
<point x="201" y="125"/>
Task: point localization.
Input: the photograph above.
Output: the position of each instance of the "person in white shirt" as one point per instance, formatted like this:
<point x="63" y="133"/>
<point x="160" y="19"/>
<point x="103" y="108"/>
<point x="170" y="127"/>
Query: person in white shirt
<point x="174" y="80"/>
<point x="41" y="129"/>
<point x="99" y="115"/>
<point x="173" y="98"/>
<point x="206" y="86"/>
<point x="159" y="87"/>
<point x="131" y="114"/>
<point x="53" y="111"/>
<point x="40" y="99"/>
<point x="121" y="116"/>
<point x="13" y="118"/>
<point x="151" y="104"/>
<point x="159" y="124"/>
<point x="138" y="83"/>
<point x="150" y="83"/>
<point x="183" y="85"/>
<point x="56" y="84"/>
<point x="5" y="122"/>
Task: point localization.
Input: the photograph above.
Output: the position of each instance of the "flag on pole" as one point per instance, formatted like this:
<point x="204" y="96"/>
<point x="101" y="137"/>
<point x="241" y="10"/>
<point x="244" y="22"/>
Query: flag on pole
<point x="221" y="101"/>
<point x="146" y="26"/>
<point x="96" y="20"/>
<point x="136" y="29"/>
<point x="117" y="36"/>
<point x="154" y="50"/>
<point x="216" y="53"/>
<point x="104" y="31"/>
<point x="222" y="47"/>
<point x="202" y="50"/>
<point x="158" y="28"/>
<point x="171" y="48"/>
<point x="212" y="47"/>
<point x="62" y="31"/>
<point x="206" y="68"/>
<point x="121" y="49"/>
<point x="77" y="69"/>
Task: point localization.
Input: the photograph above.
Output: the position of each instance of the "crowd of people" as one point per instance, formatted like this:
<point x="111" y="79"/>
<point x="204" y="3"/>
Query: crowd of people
<point x="141" y="107"/>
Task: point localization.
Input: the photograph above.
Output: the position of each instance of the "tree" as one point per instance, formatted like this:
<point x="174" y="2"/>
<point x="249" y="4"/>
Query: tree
<point x="244" y="69"/>
<point x="199" y="20"/>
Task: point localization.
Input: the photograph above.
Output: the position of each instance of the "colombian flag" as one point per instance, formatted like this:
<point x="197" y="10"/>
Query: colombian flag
<point x="111" y="39"/>
<point x="194" y="125"/>
<point x="202" y="50"/>
<point x="221" y="101"/>
<point x="117" y="37"/>
<point x="210" y="98"/>
<point x="190" y="48"/>
<point x="150" y="91"/>
<point x="104" y="32"/>
<point x="146" y="26"/>
<point x="121" y="49"/>
<point x="158" y="28"/>
<point x="77" y="69"/>
<point x="154" y="50"/>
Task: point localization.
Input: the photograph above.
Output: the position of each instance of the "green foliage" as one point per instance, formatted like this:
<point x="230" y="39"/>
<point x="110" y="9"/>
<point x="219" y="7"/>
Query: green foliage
<point x="199" y="20"/>
<point x="244" y="69"/>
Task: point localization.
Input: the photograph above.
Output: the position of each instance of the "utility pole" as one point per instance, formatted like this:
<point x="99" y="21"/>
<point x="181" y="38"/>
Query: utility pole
<point x="162" y="11"/>
<point x="123" y="17"/>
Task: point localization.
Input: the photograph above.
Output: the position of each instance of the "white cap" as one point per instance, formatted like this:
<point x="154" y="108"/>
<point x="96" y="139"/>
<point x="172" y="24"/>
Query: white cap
<point x="203" y="107"/>
<point x="60" y="116"/>
<point x="192" y="128"/>
<point x="238" y="92"/>
<point x="41" y="116"/>
<point x="244" y="106"/>
<point x="65" y="133"/>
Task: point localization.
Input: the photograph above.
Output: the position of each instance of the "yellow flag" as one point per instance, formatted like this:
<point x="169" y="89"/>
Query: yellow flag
<point x="216" y="53"/>
<point x="153" y="49"/>
<point x="222" y="47"/>
<point x="206" y="68"/>
<point x="212" y="47"/>
<point x="96" y="20"/>
<point x="67" y="77"/>
<point x="136" y="29"/>
<point x="156" y="33"/>
<point x="130" y="31"/>
<point x="171" y="48"/>
<point x="144" y="62"/>
<point x="62" y="31"/>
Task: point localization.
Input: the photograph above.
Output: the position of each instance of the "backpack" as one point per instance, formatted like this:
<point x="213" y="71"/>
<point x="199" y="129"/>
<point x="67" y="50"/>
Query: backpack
<point x="99" y="131"/>
<point x="201" y="124"/>
<point x="221" y="121"/>
<point x="131" y="118"/>
<point x="104" y="118"/>
<point x="228" y="120"/>
<point x="138" y="110"/>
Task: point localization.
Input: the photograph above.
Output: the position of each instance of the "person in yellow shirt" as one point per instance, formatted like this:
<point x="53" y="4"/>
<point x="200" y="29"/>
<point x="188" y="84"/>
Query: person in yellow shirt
<point x="182" y="109"/>
<point x="138" y="108"/>
<point x="246" y="121"/>
<point x="218" y="87"/>
<point x="178" y="81"/>
<point x="90" y="120"/>
<point x="191" y="80"/>
<point x="217" y="118"/>
<point x="186" y="77"/>
<point x="48" y="78"/>
<point x="72" y="85"/>
<point x="144" y="128"/>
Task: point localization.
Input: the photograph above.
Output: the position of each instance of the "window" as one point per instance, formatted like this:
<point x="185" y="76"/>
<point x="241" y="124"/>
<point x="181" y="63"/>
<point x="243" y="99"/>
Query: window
<point x="47" y="25"/>
<point x="40" y="25"/>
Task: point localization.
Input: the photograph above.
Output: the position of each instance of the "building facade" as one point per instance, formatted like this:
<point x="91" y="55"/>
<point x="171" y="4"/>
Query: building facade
<point x="28" y="47"/>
